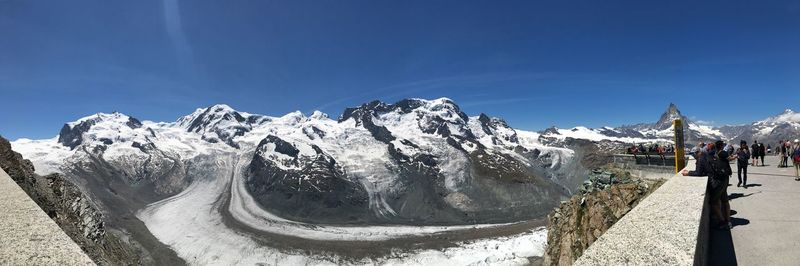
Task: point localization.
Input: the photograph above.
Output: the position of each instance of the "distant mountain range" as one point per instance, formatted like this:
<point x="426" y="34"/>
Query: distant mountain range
<point x="379" y="171"/>
<point x="412" y="166"/>
<point x="771" y="130"/>
<point x="411" y="162"/>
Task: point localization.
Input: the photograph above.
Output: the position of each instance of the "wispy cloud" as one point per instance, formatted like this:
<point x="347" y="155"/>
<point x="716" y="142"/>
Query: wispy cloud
<point x="494" y="101"/>
<point x="411" y="89"/>
<point x="705" y="123"/>
<point x="702" y="122"/>
<point x="174" y="28"/>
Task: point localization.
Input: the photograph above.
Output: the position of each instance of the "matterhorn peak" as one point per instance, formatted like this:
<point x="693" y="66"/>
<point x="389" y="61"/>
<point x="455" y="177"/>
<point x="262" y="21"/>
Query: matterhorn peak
<point x="668" y="116"/>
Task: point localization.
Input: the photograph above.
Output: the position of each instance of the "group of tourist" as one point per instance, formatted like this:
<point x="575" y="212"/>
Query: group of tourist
<point x="784" y="150"/>
<point x="653" y="148"/>
<point x="713" y="160"/>
<point x="758" y="151"/>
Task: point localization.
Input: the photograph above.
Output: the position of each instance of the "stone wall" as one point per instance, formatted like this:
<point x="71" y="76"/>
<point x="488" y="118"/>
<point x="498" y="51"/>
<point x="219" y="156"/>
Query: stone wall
<point x="65" y="204"/>
<point x="668" y="227"/>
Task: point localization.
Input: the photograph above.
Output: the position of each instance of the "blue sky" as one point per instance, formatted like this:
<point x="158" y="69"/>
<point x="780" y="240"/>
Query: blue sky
<point x="534" y="63"/>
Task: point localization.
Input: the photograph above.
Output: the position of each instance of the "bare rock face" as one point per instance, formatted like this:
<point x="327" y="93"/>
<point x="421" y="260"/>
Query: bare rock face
<point x="579" y="221"/>
<point x="299" y="186"/>
<point x="75" y="213"/>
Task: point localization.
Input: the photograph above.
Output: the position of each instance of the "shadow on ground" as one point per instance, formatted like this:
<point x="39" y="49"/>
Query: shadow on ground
<point x="734" y="196"/>
<point x="722" y="251"/>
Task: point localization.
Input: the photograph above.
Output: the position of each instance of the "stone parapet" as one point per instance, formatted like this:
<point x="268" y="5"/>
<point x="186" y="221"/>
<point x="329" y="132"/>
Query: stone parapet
<point x="669" y="227"/>
<point x="28" y="236"/>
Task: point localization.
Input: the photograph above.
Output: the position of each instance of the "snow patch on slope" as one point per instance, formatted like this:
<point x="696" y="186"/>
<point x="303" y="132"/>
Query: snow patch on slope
<point x="593" y="135"/>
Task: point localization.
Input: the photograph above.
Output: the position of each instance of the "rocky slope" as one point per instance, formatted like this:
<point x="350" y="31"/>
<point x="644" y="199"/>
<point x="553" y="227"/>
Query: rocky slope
<point x="579" y="221"/>
<point x="73" y="211"/>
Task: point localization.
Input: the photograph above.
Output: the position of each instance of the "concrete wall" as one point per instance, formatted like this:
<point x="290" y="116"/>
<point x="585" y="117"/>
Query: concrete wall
<point x="28" y="236"/>
<point x="669" y="227"/>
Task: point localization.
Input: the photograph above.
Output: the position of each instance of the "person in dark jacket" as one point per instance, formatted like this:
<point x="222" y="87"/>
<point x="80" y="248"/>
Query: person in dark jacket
<point x="718" y="184"/>
<point x="784" y="149"/>
<point x="699" y="165"/>
<point x="754" y="152"/>
<point x="762" y="151"/>
<point x="742" y="155"/>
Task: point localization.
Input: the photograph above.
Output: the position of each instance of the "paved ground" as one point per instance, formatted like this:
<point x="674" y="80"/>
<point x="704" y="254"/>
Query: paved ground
<point x="28" y="236"/>
<point x="766" y="221"/>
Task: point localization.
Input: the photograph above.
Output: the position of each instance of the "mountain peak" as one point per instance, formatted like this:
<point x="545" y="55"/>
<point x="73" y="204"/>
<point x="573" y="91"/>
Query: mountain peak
<point x="203" y="117"/>
<point x="221" y="107"/>
<point x="440" y="105"/>
<point x="220" y="122"/>
<point x="318" y="115"/>
<point x="71" y="134"/>
<point x="668" y="116"/>
<point x="114" y="116"/>
<point x="672" y="108"/>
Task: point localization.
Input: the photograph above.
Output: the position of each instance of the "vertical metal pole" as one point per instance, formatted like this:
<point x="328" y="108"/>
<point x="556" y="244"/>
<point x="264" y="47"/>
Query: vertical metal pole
<point x="680" y="158"/>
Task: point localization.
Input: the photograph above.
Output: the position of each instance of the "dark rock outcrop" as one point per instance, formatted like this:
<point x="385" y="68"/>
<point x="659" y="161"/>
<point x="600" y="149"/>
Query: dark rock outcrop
<point x="72" y="136"/>
<point x="314" y="189"/>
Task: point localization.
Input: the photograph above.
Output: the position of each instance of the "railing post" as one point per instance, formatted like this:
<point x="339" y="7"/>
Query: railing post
<point x="680" y="158"/>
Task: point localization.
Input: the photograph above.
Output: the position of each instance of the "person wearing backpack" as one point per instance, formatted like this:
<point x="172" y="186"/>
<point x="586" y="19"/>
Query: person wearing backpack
<point x="742" y="155"/>
<point x="719" y="171"/>
<point x="754" y="152"/>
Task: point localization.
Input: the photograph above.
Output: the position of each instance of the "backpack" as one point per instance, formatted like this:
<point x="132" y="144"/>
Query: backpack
<point x="796" y="155"/>
<point x="718" y="168"/>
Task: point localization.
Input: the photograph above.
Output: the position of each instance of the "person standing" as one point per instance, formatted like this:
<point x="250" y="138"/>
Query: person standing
<point x="719" y="171"/>
<point x="785" y="159"/>
<point x="742" y="155"/>
<point x="796" y="159"/>
<point x="754" y="152"/>
<point x="762" y="151"/>
<point x="781" y="151"/>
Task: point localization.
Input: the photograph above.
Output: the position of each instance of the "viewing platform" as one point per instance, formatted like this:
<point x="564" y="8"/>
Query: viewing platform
<point x="671" y="226"/>
<point x="765" y="217"/>
<point x="28" y="236"/>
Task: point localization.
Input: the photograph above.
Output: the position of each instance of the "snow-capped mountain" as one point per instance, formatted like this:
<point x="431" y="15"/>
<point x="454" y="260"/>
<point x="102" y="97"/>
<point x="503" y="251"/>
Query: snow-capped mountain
<point x="660" y="131"/>
<point x="420" y="163"/>
<point x="783" y="126"/>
